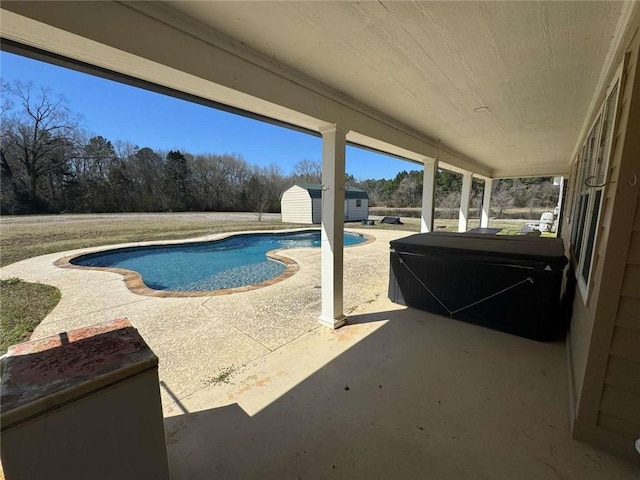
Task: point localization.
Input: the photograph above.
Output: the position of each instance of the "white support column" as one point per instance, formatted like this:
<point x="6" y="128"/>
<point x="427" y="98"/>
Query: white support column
<point x="558" y="213"/>
<point x="463" y="218"/>
<point x="486" y="203"/>
<point x="332" y="238"/>
<point x="428" y="192"/>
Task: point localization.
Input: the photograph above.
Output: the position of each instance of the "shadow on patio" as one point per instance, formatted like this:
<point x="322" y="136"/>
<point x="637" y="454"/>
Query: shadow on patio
<point x="411" y="395"/>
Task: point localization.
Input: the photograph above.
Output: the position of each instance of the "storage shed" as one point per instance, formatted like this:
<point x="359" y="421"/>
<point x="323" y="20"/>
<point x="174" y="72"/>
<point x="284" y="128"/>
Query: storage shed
<point x="302" y="203"/>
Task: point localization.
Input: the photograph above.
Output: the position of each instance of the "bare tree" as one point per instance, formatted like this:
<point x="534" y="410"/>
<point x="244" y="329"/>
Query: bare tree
<point x="308" y="171"/>
<point x="258" y="193"/>
<point x="202" y="181"/>
<point x="176" y="173"/>
<point x="450" y="202"/>
<point x="264" y="189"/>
<point x="39" y="135"/>
<point x="408" y="193"/>
<point x="502" y="197"/>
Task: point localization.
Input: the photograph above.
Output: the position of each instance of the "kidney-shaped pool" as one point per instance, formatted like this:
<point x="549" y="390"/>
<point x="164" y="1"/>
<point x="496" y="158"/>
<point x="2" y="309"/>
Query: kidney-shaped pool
<point x="232" y="262"/>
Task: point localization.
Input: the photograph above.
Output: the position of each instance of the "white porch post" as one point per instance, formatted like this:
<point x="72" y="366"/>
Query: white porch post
<point x="428" y="192"/>
<point x="333" y="176"/>
<point x="463" y="218"/>
<point x="486" y="202"/>
<point x="559" y="213"/>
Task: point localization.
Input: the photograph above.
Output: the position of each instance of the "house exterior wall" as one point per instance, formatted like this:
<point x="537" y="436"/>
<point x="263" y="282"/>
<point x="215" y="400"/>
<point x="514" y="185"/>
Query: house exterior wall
<point x="619" y="409"/>
<point x="355" y="213"/>
<point x="296" y="206"/>
<point x="604" y="338"/>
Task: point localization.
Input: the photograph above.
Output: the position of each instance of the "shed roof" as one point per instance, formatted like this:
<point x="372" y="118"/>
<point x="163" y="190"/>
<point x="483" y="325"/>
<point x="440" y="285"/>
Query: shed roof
<point x="315" y="191"/>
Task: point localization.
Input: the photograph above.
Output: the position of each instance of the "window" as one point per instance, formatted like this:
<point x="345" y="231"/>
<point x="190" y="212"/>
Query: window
<point x="583" y="188"/>
<point x="589" y="190"/>
<point x="358" y="202"/>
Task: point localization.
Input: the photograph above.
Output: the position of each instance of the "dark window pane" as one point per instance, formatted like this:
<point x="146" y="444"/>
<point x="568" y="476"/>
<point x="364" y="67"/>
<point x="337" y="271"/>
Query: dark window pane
<point x="586" y="267"/>
<point x="576" y="221"/>
<point x="580" y="224"/>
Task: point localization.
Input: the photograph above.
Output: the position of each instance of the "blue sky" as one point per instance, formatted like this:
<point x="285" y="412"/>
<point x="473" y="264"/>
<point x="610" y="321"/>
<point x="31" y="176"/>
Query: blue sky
<point x="147" y="119"/>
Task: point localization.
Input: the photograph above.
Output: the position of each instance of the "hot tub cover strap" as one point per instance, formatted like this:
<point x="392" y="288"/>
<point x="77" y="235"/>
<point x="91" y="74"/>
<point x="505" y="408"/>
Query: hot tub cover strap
<point x="529" y="279"/>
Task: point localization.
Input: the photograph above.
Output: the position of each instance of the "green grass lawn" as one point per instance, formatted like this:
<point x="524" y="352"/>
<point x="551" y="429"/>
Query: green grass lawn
<point x="24" y="305"/>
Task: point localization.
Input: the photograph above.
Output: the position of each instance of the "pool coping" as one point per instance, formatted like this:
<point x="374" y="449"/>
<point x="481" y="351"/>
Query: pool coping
<point x="135" y="284"/>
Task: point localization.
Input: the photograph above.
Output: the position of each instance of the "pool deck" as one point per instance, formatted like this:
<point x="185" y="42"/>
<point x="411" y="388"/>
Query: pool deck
<point x="253" y="387"/>
<point x="197" y="339"/>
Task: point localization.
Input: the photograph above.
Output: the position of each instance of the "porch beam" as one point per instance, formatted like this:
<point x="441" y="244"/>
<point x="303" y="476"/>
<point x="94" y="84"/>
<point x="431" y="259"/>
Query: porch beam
<point x="486" y="202"/>
<point x="334" y="143"/>
<point x="463" y="217"/>
<point x="546" y="170"/>
<point x="428" y="194"/>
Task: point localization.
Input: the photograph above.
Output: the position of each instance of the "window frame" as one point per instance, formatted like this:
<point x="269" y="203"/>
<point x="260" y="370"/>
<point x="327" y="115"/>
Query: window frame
<point x="594" y="158"/>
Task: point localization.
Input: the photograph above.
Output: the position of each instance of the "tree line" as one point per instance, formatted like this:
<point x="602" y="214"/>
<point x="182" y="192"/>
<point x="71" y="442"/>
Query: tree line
<point x="405" y="190"/>
<point x="49" y="164"/>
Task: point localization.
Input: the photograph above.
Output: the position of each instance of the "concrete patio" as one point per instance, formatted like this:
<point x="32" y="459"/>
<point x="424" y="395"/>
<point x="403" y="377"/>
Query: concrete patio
<point x="199" y="338"/>
<point x="253" y="388"/>
<point x="396" y="394"/>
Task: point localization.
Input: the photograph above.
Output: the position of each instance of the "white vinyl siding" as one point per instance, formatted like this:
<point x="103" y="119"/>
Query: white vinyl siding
<point x="296" y="206"/>
<point x="355" y="213"/>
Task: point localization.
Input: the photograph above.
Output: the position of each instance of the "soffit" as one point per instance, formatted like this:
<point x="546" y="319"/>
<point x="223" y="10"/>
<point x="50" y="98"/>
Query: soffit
<point x="429" y="65"/>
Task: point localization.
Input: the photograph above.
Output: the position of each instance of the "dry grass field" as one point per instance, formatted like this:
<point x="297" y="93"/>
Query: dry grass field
<point x="24" y="305"/>
<point x="509" y="226"/>
<point x="29" y="236"/>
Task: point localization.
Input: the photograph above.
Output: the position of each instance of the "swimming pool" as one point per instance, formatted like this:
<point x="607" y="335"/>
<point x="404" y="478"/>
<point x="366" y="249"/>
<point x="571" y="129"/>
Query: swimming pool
<point x="232" y="262"/>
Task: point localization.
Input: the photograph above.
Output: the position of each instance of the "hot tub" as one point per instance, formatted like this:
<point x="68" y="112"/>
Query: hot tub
<point x="509" y="283"/>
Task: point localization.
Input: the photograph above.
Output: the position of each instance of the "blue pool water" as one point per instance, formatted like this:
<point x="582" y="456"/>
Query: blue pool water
<point x="233" y="262"/>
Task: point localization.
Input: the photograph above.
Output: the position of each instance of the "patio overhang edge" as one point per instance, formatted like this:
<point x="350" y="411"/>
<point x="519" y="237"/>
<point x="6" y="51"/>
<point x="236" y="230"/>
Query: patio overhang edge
<point x="532" y="171"/>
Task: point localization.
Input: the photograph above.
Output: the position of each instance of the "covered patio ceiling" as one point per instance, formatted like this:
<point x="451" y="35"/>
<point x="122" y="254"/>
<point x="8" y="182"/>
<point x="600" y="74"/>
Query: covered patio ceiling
<point x="496" y="88"/>
<point x="504" y="83"/>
